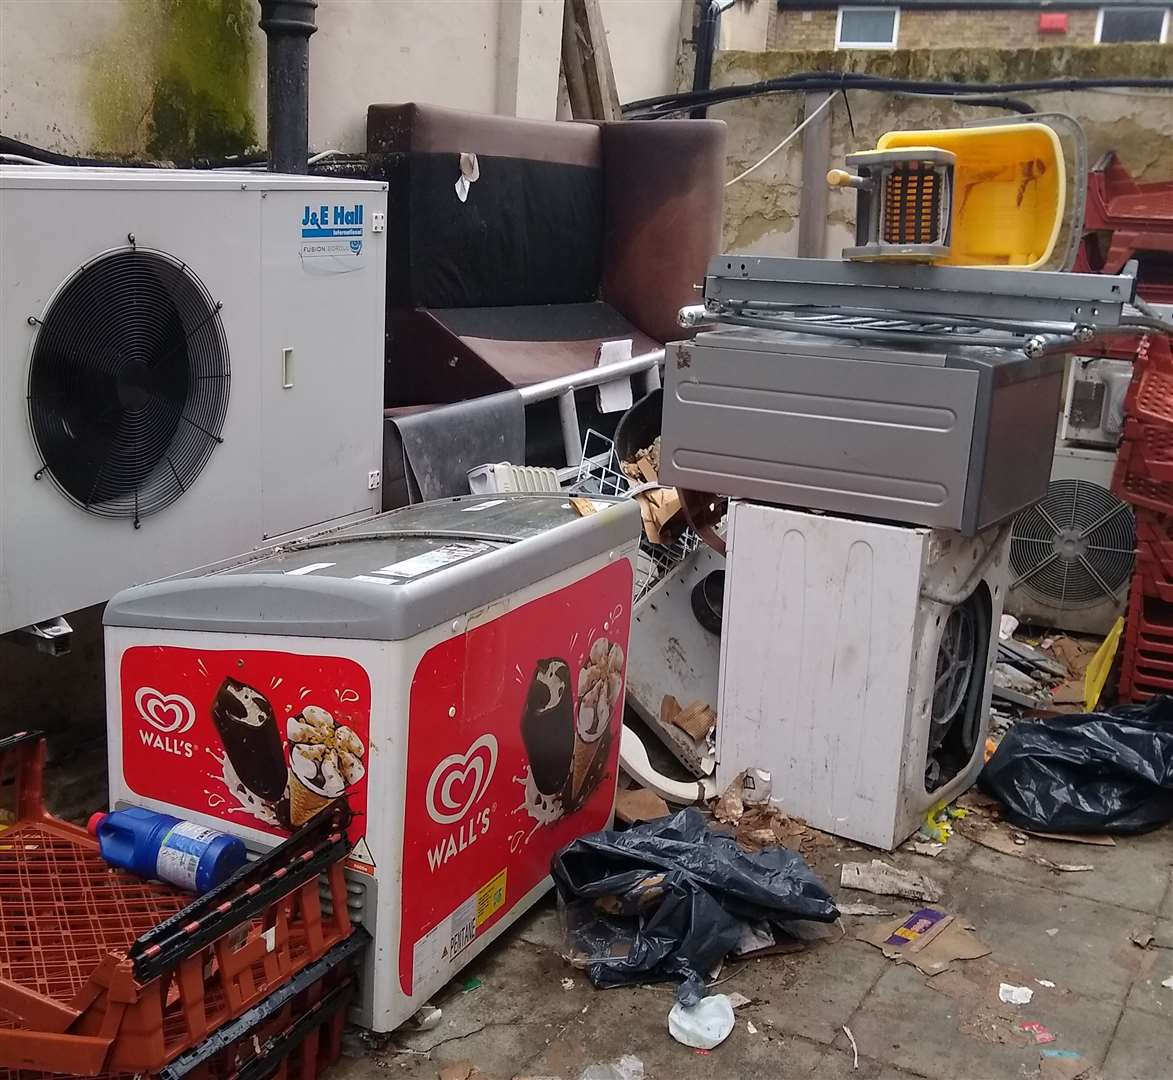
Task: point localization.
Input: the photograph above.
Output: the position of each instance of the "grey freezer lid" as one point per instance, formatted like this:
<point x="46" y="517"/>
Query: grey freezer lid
<point x="389" y="577"/>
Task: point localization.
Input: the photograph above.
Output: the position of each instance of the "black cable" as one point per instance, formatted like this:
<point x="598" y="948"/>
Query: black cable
<point x="671" y="104"/>
<point x="1016" y="105"/>
<point x="9" y="145"/>
<point x="50" y="157"/>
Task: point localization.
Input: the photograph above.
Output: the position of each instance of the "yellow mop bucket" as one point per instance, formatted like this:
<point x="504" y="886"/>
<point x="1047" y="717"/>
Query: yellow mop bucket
<point x="995" y="194"/>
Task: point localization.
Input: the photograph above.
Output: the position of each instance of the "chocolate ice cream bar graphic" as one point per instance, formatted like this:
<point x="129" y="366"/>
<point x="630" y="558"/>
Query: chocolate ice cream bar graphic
<point x="248" y="729"/>
<point x="547" y="725"/>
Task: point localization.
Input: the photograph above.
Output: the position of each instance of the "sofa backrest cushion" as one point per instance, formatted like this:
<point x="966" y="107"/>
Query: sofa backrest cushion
<point x="530" y="229"/>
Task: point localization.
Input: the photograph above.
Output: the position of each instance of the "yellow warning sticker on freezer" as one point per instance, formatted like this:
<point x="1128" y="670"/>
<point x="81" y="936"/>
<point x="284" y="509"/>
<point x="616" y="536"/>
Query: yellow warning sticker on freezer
<point x="490" y="898"/>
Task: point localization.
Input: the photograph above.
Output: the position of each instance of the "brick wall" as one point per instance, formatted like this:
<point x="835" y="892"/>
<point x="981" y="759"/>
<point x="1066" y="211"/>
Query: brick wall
<point x="996" y="28"/>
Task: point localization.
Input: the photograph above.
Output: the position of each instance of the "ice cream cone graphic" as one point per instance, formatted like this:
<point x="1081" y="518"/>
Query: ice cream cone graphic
<point x="304" y="801"/>
<point x="584" y="757"/>
<point x="325" y="761"/>
<point x="600" y="686"/>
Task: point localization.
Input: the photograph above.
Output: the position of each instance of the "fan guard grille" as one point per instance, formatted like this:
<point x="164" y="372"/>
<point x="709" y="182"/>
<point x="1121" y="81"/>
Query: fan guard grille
<point x="1074" y="548"/>
<point x="128" y="383"/>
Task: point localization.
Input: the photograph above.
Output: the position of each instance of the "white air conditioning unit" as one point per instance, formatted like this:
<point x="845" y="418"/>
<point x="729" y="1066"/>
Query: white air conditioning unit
<point x="190" y="363"/>
<point x="1093" y="411"/>
<point x="1071" y="554"/>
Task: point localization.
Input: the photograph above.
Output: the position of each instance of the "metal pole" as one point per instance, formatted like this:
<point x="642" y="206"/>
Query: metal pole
<point x="571" y="436"/>
<point x="576" y="380"/>
<point x="816" y="160"/>
<point x="288" y="25"/>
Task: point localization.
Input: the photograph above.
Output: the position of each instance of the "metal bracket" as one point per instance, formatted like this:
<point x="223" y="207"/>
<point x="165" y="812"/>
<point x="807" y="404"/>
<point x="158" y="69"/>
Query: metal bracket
<point x="1032" y="296"/>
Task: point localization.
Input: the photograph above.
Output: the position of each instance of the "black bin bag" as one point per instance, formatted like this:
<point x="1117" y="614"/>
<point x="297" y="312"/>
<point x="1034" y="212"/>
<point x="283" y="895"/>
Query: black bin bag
<point x="1087" y="773"/>
<point x="670" y="899"/>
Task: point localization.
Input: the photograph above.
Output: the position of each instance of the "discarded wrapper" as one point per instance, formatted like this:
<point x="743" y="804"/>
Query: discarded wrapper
<point x="1015" y="995"/>
<point x="879" y="877"/>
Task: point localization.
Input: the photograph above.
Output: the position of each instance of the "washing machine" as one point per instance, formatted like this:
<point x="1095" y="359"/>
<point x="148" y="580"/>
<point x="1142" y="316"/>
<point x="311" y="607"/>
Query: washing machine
<point x="454" y="671"/>
<point x="856" y="664"/>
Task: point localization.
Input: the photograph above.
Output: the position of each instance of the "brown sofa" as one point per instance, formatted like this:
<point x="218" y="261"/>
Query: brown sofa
<point x="570" y="234"/>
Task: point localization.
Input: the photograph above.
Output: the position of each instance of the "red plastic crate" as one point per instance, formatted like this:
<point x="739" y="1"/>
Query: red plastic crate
<point x="1153" y="399"/>
<point x="1154" y="528"/>
<point x="1134" y="482"/>
<point x="101" y="972"/>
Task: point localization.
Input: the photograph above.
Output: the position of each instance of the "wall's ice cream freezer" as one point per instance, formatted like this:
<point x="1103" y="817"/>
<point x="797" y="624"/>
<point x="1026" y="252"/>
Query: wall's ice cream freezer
<point x="454" y="671"/>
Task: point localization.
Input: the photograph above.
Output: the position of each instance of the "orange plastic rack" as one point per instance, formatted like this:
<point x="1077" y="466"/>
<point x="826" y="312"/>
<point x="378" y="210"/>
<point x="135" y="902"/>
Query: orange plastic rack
<point x="101" y="972"/>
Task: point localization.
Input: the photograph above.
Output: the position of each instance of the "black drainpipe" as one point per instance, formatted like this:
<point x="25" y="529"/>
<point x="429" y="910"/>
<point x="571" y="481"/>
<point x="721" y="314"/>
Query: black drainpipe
<point x="706" y="47"/>
<point x="287" y="25"/>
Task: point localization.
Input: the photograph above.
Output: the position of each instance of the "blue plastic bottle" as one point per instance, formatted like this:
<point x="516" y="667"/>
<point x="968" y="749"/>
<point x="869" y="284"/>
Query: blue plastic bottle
<point x="160" y="846"/>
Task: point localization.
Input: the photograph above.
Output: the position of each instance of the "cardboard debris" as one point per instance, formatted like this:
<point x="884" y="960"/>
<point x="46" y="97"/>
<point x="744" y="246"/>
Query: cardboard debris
<point x="729" y="807"/>
<point x="633" y="805"/>
<point x="863" y="909"/>
<point x="879" y="877"/>
<point x="1069" y="693"/>
<point x="929" y="848"/>
<point x="1095" y="839"/>
<point x="696" y="719"/>
<point x="658" y="507"/>
<point x="645" y="467"/>
<point x="1073" y="653"/>
<point x="739" y="1000"/>
<point x="766" y="826"/>
<point x="930" y="940"/>
<point x="998" y="839"/>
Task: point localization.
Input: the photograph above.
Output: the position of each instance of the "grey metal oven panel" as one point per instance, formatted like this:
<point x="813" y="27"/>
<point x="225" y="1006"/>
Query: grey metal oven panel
<point x="820" y="431"/>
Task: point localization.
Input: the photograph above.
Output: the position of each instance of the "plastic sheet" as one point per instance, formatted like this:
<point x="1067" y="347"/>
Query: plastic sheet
<point x="1095" y="772"/>
<point x="670" y="899"/>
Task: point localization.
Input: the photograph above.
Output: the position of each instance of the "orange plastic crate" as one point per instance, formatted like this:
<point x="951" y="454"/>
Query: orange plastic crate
<point x="101" y="972"/>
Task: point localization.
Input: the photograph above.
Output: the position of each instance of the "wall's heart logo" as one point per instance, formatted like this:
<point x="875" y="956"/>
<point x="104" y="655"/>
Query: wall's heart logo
<point x="172" y="714"/>
<point x="460" y="780"/>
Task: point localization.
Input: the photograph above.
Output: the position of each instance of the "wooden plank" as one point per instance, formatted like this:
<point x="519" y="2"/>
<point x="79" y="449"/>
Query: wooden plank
<point x="586" y="61"/>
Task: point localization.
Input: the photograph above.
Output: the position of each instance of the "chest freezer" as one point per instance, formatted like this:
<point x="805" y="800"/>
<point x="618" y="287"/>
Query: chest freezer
<point x="453" y="670"/>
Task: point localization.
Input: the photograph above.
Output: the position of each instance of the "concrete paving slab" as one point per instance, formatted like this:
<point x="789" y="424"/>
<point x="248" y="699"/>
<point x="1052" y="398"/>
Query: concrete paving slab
<point x="906" y="1024"/>
<point x="1090" y="954"/>
<point x="1156" y="965"/>
<point x="1142" y="1048"/>
<point x="840" y="1065"/>
<point x="1134" y="874"/>
<point x="812" y="994"/>
<point x="539" y="926"/>
<point x="625" y="1024"/>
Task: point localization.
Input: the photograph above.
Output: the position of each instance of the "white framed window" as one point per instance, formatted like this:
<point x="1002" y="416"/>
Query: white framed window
<point x="867" y="28"/>
<point x="1140" y="23"/>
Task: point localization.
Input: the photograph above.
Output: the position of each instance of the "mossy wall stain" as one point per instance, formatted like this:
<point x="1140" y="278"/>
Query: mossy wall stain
<point x="174" y="81"/>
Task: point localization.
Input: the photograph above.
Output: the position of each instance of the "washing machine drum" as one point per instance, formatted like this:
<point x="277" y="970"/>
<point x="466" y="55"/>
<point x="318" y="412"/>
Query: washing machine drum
<point x="955" y="718"/>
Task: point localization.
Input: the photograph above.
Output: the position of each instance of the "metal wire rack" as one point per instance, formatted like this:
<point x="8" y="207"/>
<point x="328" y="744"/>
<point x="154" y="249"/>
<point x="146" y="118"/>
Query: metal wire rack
<point x="599" y="474"/>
